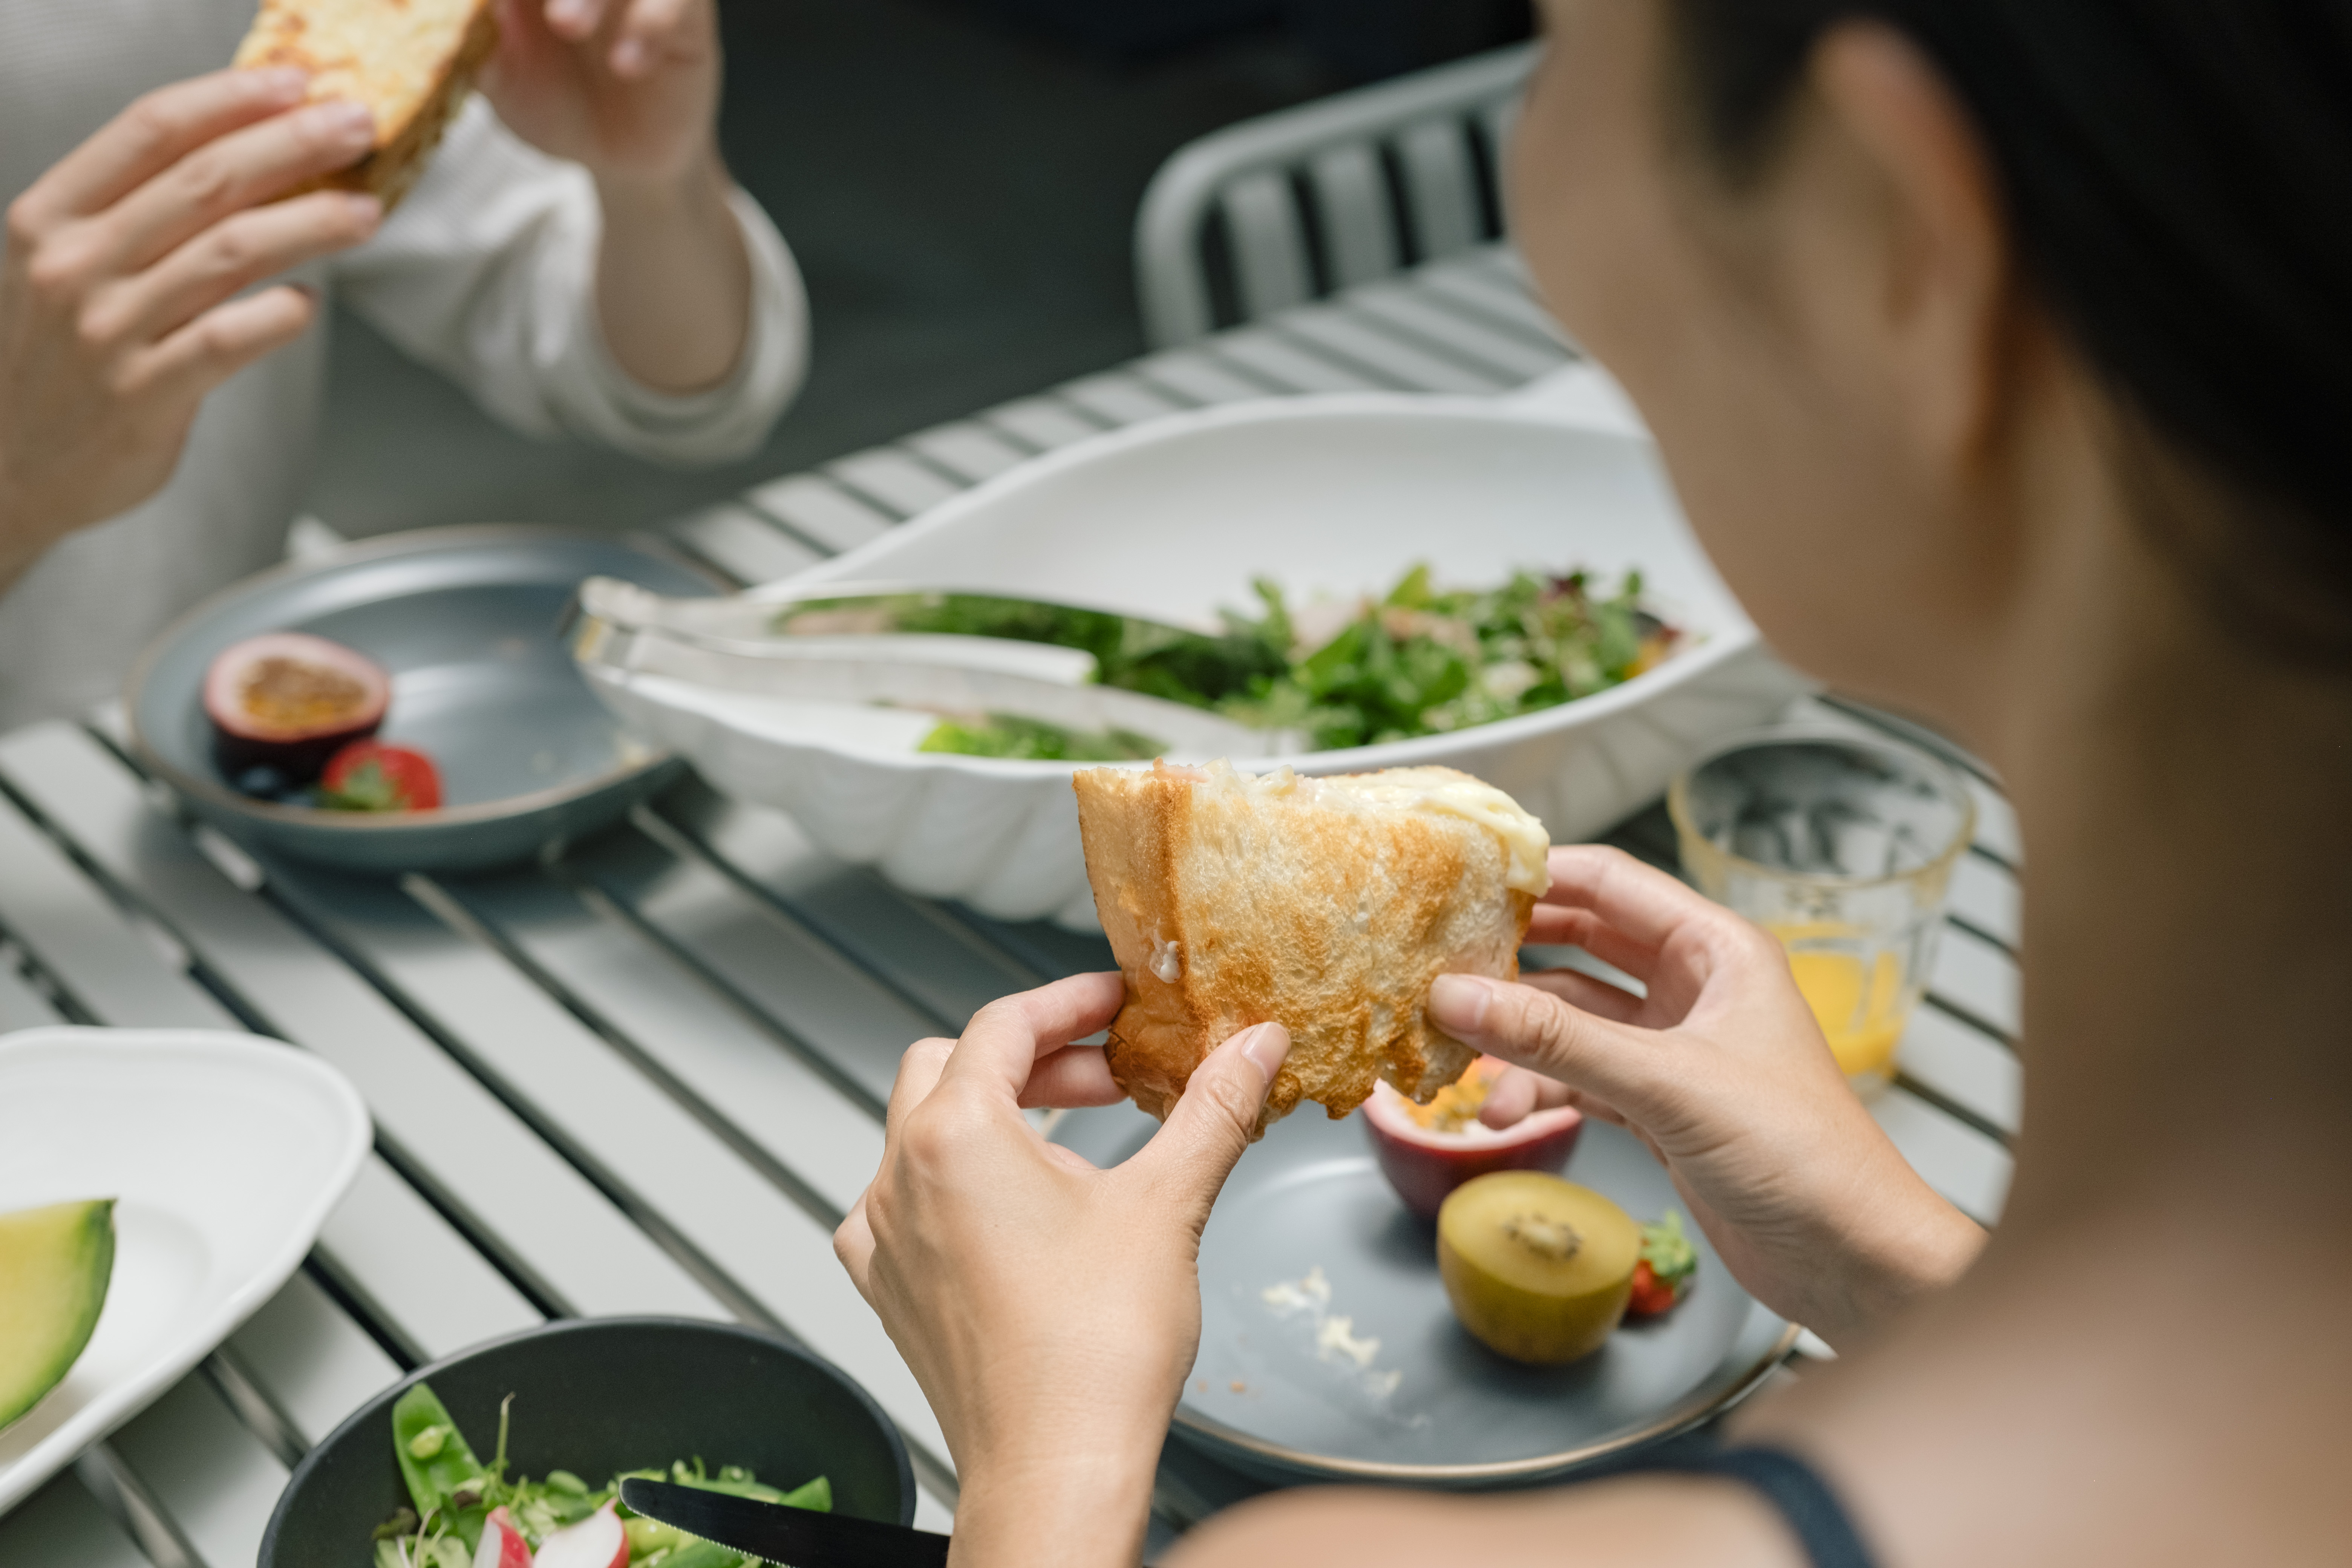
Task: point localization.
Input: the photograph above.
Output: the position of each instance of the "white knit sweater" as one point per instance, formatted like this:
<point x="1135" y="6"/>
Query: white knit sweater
<point x="484" y="272"/>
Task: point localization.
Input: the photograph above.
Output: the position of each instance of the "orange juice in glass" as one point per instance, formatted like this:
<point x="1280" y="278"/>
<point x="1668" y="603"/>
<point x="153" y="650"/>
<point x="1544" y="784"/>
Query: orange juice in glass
<point x="1843" y="849"/>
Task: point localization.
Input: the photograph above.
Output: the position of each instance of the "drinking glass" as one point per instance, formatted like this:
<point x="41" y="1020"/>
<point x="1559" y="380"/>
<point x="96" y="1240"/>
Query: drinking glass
<point x="1843" y="849"/>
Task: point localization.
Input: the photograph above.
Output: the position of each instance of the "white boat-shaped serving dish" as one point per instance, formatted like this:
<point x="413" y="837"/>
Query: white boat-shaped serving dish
<point x="1330" y="496"/>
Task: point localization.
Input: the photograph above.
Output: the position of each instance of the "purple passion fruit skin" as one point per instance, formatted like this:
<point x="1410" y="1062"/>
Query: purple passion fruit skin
<point x="281" y="704"/>
<point x="1426" y="1152"/>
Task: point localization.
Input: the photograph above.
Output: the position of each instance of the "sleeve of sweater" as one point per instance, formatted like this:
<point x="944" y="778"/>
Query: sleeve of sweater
<point x="488" y="273"/>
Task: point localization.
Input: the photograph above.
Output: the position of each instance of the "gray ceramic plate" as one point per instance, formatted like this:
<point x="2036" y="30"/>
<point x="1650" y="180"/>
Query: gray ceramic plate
<point x="467" y="620"/>
<point x="1275" y="1395"/>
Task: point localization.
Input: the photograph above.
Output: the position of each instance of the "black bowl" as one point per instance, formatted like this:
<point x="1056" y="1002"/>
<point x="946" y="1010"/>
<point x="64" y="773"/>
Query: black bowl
<point x="599" y="1395"/>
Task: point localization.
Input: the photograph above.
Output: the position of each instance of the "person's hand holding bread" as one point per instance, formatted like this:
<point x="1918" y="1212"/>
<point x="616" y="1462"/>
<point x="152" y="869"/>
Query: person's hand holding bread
<point x="1049" y="1310"/>
<point x="1721" y="1070"/>
<point x="122" y="290"/>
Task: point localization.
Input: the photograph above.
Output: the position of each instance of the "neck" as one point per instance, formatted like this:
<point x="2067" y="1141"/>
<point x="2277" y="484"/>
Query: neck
<point x="2188" y="810"/>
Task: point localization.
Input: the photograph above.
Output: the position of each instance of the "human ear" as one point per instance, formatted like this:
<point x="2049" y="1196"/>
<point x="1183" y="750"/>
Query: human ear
<point x="1926" y="282"/>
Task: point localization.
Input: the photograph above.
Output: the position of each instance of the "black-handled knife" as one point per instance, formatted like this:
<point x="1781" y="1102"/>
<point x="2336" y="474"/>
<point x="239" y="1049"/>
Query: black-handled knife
<point x="798" y="1536"/>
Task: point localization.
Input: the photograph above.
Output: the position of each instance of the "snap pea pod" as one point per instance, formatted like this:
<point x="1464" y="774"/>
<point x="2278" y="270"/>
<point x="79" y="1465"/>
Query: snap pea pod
<point x="434" y="1459"/>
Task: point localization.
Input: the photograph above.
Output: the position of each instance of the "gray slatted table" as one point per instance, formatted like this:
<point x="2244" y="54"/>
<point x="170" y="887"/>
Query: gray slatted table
<point x="647" y="1076"/>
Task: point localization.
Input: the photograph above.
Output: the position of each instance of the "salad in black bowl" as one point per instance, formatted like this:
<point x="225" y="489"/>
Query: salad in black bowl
<point x="512" y="1452"/>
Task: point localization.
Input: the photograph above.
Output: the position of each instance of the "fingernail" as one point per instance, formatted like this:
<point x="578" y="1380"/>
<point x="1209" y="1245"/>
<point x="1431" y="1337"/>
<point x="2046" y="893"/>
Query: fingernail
<point x="1457" y="1002"/>
<point x="366" y="211"/>
<point x="566" y="14"/>
<point x="1265" y="1046"/>
<point x="283" y="82"/>
<point x="628" y="57"/>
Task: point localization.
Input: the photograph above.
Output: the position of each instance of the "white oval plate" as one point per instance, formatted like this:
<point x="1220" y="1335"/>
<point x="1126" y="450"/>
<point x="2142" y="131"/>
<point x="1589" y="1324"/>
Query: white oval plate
<point x="225" y="1154"/>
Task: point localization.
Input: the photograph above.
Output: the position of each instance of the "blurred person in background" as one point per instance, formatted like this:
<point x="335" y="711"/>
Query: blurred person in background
<point x="575" y="256"/>
<point x="2002" y="352"/>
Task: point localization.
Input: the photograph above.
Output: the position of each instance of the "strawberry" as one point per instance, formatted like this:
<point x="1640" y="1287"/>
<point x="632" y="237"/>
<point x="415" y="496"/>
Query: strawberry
<point x="367" y="775"/>
<point x="1668" y="1265"/>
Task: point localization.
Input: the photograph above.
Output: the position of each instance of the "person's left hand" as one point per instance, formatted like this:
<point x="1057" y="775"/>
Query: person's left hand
<point x="627" y="88"/>
<point x="1049" y="1310"/>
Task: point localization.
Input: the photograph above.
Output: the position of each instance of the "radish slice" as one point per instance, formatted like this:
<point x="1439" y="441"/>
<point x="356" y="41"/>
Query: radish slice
<point x="287" y="701"/>
<point x="503" y="1544"/>
<point x="1424" y="1163"/>
<point x="597" y="1541"/>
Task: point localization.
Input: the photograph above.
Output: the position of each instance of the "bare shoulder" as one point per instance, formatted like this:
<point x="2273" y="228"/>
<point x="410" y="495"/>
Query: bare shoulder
<point x="1647" y="1521"/>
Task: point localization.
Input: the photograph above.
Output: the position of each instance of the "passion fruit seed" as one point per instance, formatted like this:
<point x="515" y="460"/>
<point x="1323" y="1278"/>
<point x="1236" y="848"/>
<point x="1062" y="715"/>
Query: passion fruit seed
<point x="1543" y="1236"/>
<point x="289" y="694"/>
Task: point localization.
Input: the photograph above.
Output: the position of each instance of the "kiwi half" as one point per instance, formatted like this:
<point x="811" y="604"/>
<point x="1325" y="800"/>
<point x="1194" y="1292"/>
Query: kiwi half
<point x="1538" y="1269"/>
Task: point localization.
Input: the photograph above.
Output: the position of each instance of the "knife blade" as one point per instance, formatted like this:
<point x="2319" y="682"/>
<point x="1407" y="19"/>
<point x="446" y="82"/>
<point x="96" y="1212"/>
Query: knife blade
<point x="798" y="1536"/>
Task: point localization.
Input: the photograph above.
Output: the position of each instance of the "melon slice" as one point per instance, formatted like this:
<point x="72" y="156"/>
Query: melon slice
<point x="55" y="1263"/>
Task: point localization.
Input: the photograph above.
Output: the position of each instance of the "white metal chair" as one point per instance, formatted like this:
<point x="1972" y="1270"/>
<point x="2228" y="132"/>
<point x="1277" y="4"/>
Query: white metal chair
<point x="1294" y="205"/>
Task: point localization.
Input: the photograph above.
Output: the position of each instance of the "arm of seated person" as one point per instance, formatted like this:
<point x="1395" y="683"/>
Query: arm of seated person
<point x="629" y="89"/>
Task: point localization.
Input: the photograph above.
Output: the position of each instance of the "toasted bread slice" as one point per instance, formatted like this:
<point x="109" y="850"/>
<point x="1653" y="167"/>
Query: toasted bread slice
<point x="1326" y="905"/>
<point x="411" y="61"/>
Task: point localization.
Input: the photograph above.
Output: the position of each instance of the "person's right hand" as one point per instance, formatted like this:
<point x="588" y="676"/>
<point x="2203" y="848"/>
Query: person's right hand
<point x="1721" y="1070"/>
<point x="120" y="303"/>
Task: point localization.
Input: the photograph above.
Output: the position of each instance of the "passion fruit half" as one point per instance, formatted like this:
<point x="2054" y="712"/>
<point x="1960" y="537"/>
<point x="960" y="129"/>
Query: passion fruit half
<point x="1538" y="1269"/>
<point x="1427" y="1150"/>
<point x="283" y="703"/>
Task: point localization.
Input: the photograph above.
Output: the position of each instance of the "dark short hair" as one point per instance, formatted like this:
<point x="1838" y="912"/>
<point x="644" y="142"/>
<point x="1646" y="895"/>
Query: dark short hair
<point x="2178" y="177"/>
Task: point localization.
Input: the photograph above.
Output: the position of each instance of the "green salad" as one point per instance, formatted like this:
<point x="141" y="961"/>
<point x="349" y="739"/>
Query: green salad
<point x="456" y="1502"/>
<point x="1419" y="660"/>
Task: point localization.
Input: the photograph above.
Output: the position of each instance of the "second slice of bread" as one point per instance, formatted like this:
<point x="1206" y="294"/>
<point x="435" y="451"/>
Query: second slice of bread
<point x="1325" y="905"/>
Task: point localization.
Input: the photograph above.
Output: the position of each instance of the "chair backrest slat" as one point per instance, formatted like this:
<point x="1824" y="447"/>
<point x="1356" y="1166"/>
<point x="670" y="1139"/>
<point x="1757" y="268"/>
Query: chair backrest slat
<point x="1351" y="198"/>
<point x="1271" y="265"/>
<point x="1325" y="197"/>
<point x="1440" y="178"/>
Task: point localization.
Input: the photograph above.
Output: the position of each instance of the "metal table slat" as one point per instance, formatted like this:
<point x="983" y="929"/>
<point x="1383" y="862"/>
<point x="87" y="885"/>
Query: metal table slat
<point x="316" y="1364"/>
<point x="1958" y="1161"/>
<point x="1419" y="317"/>
<point x="424" y="1283"/>
<point x="1288" y="366"/>
<point x="966" y="449"/>
<point x="21" y="1006"/>
<point x="1979" y="979"/>
<point x="216" y="1480"/>
<point x="813" y="992"/>
<point x="552" y="1223"/>
<point x="1967" y="1066"/>
<point x="897" y="480"/>
<point x="1199" y="378"/>
<point x="1987" y="896"/>
<point x="86" y="944"/>
<point x="586" y="1092"/>
<point x="1499" y="300"/>
<point x="741" y="542"/>
<point x="1041" y="424"/>
<point x="1997" y="828"/>
<point x="688" y="1029"/>
<point x="852" y="906"/>
<point x="1118" y="398"/>
<point x="825" y="517"/>
<point x="61" y="1526"/>
<point x="1353" y="338"/>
